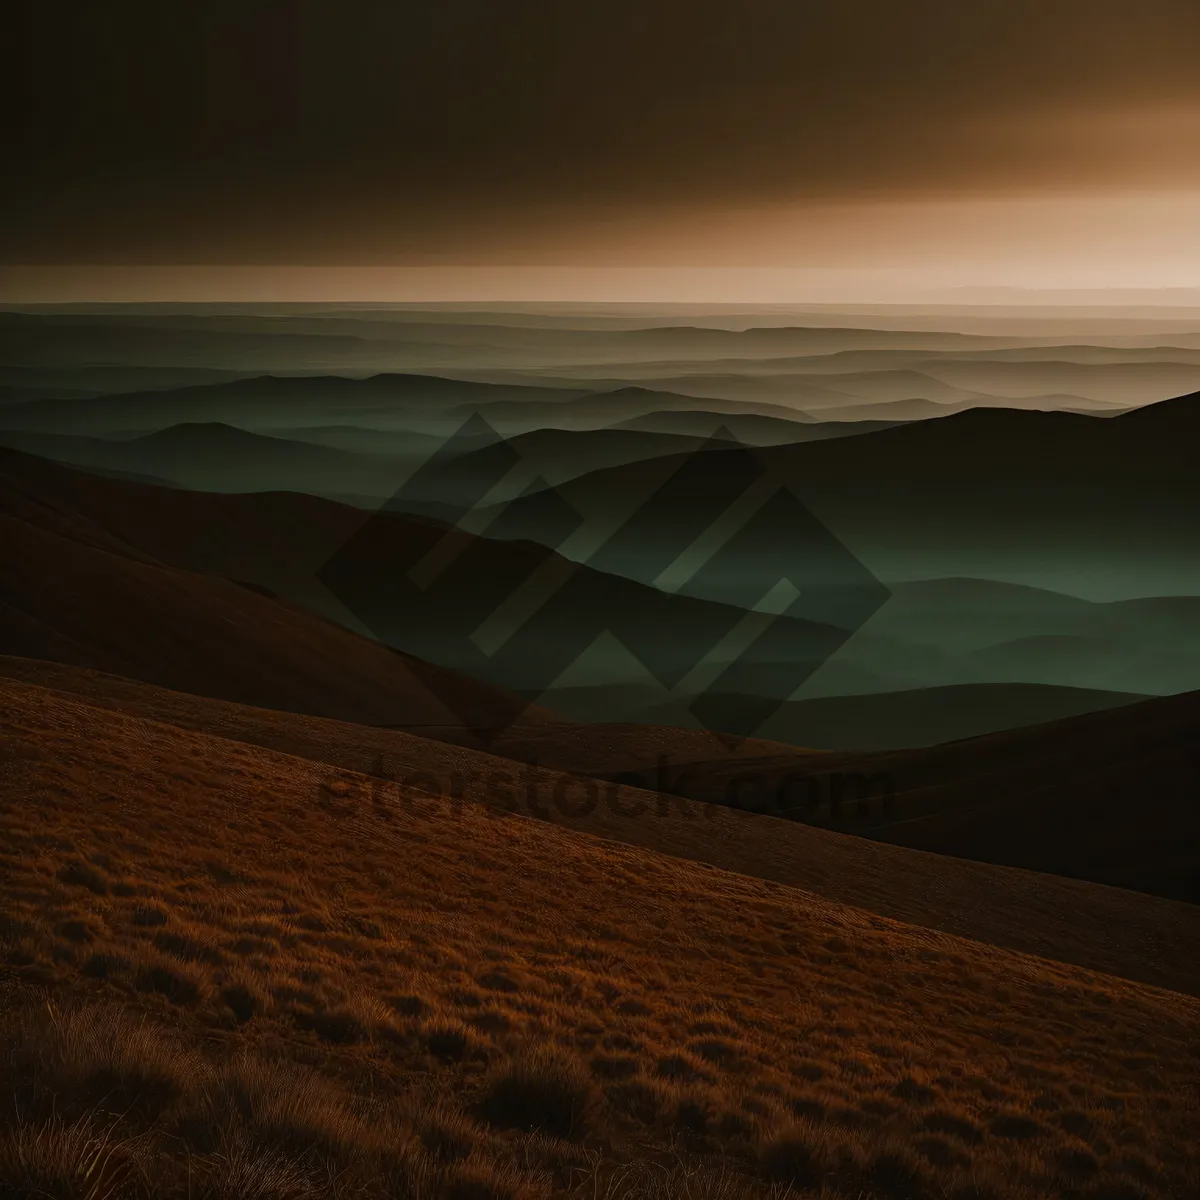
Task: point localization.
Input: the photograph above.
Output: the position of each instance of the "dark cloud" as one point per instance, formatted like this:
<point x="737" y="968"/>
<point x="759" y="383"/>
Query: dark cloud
<point x="357" y="127"/>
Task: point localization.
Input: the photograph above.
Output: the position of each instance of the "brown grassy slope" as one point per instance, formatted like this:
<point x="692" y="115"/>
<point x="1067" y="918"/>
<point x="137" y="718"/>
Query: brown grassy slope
<point x="396" y="988"/>
<point x="1137" y="937"/>
<point x="1109" y="796"/>
<point x="74" y="591"/>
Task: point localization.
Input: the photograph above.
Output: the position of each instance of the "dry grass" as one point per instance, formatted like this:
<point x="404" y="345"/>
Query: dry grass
<point x="224" y="974"/>
<point x="66" y="1162"/>
<point x="1144" y="938"/>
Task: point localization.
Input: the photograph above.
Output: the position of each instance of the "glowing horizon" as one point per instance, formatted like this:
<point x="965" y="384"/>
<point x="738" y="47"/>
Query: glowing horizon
<point x="857" y="253"/>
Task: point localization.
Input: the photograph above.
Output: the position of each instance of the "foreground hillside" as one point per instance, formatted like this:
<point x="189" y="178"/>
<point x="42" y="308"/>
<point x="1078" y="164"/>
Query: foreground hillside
<point x="229" y="975"/>
<point x="1137" y="937"/>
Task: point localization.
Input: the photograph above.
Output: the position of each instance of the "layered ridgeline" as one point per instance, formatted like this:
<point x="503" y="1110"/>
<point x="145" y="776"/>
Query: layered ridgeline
<point x="1036" y="498"/>
<point x="1046" y="499"/>
<point x="813" y="360"/>
<point x="608" y="648"/>
<point x="991" y="567"/>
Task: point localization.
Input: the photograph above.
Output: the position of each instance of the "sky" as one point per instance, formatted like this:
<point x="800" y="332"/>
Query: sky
<point x="835" y="147"/>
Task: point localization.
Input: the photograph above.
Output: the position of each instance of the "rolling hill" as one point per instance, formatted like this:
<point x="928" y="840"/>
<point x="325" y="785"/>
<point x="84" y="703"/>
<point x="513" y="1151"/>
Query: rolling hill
<point x="1107" y="796"/>
<point x="215" y="457"/>
<point x="943" y="632"/>
<point x="1063" y="501"/>
<point x="611" y="403"/>
<point x="753" y="429"/>
<point x="76" y="591"/>
<point x="554" y="455"/>
<point x="944" y="380"/>
<point x="924" y="716"/>
<point x="263" y="402"/>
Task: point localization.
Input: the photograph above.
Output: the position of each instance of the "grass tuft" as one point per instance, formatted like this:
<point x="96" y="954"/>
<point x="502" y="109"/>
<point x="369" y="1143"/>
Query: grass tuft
<point x="54" y="1161"/>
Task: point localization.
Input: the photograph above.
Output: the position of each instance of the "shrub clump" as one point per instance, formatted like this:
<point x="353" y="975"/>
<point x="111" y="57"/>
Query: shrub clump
<point x="540" y="1090"/>
<point x="794" y="1156"/>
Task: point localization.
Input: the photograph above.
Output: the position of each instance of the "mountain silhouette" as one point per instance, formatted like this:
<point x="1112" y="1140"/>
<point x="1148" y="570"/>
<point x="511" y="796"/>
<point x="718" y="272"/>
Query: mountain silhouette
<point x="1059" y="500"/>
